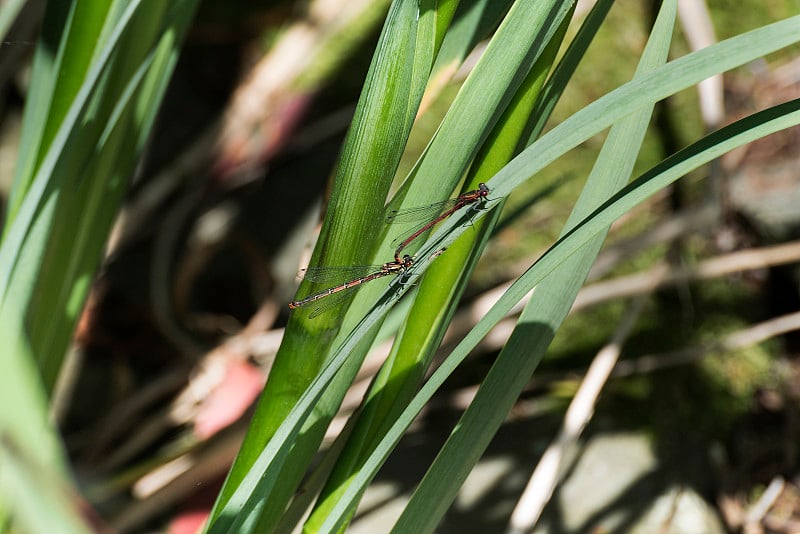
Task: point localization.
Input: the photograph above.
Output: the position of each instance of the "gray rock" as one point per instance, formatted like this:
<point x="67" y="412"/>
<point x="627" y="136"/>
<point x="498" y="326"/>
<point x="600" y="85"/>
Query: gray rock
<point x="617" y="485"/>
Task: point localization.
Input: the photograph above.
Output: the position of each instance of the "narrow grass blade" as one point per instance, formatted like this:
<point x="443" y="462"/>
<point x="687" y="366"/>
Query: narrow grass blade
<point x="607" y="110"/>
<point x="54" y="241"/>
<point x="542" y="316"/>
<point x="370" y="156"/>
<point x="435" y="301"/>
<point x="32" y="476"/>
<point x="672" y="169"/>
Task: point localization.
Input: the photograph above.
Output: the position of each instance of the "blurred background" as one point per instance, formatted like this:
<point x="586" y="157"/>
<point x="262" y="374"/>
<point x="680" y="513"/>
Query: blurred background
<point x="699" y="420"/>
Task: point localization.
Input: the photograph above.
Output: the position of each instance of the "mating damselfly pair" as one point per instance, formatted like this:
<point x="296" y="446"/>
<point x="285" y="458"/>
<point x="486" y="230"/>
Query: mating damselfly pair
<point x="356" y="276"/>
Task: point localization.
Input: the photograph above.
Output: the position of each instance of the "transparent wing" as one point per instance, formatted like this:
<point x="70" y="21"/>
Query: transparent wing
<point x="425" y="221"/>
<point x="324" y="304"/>
<point x="334" y="275"/>
<point x="331" y="301"/>
<point x="420" y="213"/>
<point x="411" y="231"/>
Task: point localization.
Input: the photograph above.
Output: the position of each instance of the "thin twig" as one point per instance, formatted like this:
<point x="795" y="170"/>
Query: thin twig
<point x="663" y="275"/>
<point x="734" y="341"/>
<point x="626" y="286"/>
<point x="545" y="477"/>
<point x="699" y="30"/>
<point x="759" y="509"/>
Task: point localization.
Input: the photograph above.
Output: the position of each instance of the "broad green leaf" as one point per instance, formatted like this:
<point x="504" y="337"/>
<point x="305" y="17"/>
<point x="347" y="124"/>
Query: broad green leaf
<point x="435" y="301"/>
<point x="304" y="351"/>
<point x="370" y="156"/>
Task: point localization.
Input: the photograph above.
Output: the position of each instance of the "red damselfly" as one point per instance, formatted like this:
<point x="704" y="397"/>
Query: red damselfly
<point x="356" y="276"/>
<point x="429" y="213"/>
